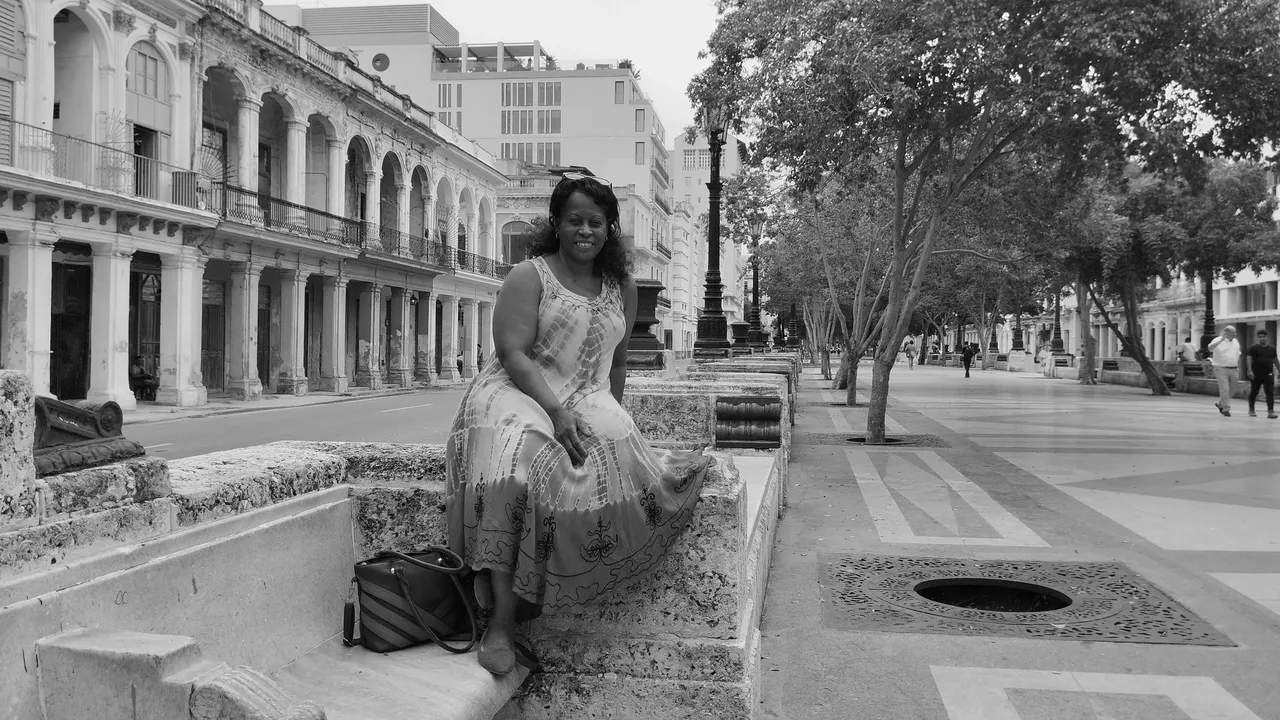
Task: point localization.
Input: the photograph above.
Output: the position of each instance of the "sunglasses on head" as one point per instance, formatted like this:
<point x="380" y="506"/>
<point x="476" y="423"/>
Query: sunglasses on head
<point x="583" y="176"/>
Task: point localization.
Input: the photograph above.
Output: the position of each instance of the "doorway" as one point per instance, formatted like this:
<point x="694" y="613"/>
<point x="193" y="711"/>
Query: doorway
<point x="213" y="337"/>
<point x="69" y="331"/>
<point x="264" y="336"/>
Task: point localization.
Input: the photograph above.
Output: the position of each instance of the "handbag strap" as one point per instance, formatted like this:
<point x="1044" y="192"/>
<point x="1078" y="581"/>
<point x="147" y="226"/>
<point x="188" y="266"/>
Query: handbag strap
<point x="444" y="552"/>
<point x="413" y="607"/>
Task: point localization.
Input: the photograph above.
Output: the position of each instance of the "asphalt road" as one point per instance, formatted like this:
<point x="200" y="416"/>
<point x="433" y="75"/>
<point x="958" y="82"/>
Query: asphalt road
<point x="418" y="417"/>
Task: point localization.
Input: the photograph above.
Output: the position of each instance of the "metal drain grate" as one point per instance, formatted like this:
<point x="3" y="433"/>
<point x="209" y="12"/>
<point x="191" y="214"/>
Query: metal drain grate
<point x="856" y="440"/>
<point x="1109" y="602"/>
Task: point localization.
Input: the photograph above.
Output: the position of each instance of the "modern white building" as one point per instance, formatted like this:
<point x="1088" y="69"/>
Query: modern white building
<point x="207" y="189"/>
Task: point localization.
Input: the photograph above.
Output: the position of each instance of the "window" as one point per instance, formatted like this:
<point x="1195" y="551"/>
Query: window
<point x="619" y="92"/>
<point x="514" y="237"/>
<point x="446" y="118"/>
<point x="640" y="120"/>
<point x="690" y="160"/>
<point x="459" y="94"/>
<point x="549" y="153"/>
<point x="688" y="181"/>
<point x="142" y="73"/>
<point x="639" y="153"/>
<point x="445" y="92"/>
<point x="549" y="94"/>
<point x="458" y="127"/>
<point x="518" y="151"/>
<point x="517" y="94"/>
<point x="549" y="122"/>
<point x="517" y="122"/>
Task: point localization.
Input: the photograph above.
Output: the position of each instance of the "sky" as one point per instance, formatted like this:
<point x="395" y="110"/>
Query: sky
<point x="662" y="37"/>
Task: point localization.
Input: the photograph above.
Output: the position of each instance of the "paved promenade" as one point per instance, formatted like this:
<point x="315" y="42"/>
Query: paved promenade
<point x="1162" y="516"/>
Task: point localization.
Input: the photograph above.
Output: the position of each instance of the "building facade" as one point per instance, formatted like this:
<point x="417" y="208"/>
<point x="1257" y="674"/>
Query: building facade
<point x="206" y="189"/>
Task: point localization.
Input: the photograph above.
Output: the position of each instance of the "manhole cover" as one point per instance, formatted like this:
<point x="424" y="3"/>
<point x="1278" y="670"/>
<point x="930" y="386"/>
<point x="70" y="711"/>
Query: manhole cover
<point x="1105" y="602"/>
<point x="992" y="595"/>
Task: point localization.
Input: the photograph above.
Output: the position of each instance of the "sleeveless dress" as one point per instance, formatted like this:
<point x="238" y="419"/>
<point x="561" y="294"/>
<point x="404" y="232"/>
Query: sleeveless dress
<point x="515" y="502"/>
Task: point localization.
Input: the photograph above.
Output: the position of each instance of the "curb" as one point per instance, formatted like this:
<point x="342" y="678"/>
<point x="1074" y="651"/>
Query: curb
<point x="237" y="410"/>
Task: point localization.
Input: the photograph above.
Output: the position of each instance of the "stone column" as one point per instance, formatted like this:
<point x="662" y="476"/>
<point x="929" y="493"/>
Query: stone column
<point x="372" y="206"/>
<point x="425" y="360"/>
<point x="247" y="134"/>
<point x="469" y="338"/>
<point x="486" y="331"/>
<point x="333" y="335"/>
<point x="181" y="296"/>
<point x="295" y="160"/>
<point x="29" y="296"/>
<point x="400" y="365"/>
<point x="335" y="191"/>
<point x="109" y="326"/>
<point x="449" y="338"/>
<point x="242" y="332"/>
<point x="293" y="304"/>
<point x="369" y="326"/>
<point x="402" y="217"/>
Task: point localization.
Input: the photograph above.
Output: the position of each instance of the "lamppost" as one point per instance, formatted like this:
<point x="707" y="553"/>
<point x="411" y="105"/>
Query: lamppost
<point x="713" y="329"/>
<point x="756" y="337"/>
<point x="793" y="336"/>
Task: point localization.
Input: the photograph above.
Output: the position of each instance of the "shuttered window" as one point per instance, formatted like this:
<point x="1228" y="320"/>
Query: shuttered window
<point x="9" y="27"/>
<point x="6" y="127"/>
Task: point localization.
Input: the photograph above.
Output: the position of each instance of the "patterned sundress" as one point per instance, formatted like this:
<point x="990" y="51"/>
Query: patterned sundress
<point x="514" y="501"/>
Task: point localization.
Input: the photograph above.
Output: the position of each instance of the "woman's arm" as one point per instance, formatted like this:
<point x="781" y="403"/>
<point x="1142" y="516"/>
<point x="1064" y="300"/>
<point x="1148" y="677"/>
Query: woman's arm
<point x="515" y="329"/>
<point x="618" y="373"/>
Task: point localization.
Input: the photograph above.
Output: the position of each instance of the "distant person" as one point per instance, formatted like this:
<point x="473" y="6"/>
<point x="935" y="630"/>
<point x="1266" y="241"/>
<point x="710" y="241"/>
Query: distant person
<point x="966" y="356"/>
<point x="140" y="379"/>
<point x="910" y="350"/>
<point x="1225" y="352"/>
<point x="1259" y="371"/>
<point x="1187" y="352"/>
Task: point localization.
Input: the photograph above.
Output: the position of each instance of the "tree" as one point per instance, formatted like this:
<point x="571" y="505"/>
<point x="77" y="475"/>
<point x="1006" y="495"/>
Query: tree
<point x="943" y="90"/>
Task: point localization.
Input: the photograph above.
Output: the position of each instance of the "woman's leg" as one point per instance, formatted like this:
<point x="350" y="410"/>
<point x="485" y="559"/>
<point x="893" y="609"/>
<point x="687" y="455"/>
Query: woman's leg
<point x="497" y="648"/>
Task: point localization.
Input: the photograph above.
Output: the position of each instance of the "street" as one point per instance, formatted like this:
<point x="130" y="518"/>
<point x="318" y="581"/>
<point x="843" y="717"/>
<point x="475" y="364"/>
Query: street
<point x="421" y="417"/>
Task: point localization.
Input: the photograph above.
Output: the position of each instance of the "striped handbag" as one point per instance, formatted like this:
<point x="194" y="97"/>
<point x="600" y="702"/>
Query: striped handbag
<point x="406" y="599"/>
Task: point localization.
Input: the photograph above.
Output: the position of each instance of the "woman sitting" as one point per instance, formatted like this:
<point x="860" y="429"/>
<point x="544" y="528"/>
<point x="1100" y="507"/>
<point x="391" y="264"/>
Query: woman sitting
<point x="551" y="490"/>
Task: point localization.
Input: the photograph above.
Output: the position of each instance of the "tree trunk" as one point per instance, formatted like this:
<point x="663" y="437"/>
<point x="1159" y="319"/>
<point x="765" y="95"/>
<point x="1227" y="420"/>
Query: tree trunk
<point x="1133" y="347"/>
<point x="851" y="392"/>
<point x="882" y="365"/>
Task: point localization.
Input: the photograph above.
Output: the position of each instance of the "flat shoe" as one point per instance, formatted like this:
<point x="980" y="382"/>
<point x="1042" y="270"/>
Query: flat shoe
<point x="499" y="661"/>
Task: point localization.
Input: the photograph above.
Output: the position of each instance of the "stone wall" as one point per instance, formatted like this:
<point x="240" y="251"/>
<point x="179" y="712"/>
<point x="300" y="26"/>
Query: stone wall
<point x="17" y="441"/>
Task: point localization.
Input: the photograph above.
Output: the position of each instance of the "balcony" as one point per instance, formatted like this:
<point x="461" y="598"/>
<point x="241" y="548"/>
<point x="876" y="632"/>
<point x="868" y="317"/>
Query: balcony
<point x="100" y="167"/>
<point x="282" y="34"/>
<point x="662" y="248"/>
<point x="661" y="172"/>
<point x="251" y="208"/>
<point x="663" y="300"/>
<point x="662" y="203"/>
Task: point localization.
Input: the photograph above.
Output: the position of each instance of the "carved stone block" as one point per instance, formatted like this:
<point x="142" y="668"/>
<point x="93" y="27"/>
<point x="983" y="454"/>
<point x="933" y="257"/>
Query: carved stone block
<point x="123" y="21"/>
<point x="103" y="215"/>
<point x="125" y="222"/>
<point x="172" y="229"/>
<point x="72" y="437"/>
<point x="46" y="207"/>
<point x="144" y="222"/>
<point x="86" y="212"/>
<point x="69" y="209"/>
<point x="20" y="200"/>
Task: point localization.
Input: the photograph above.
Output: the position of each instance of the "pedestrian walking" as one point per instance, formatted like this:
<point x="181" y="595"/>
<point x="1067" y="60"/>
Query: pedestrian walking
<point x="1225" y="351"/>
<point x="910" y="349"/>
<point x="966" y="356"/>
<point x="1259" y="371"/>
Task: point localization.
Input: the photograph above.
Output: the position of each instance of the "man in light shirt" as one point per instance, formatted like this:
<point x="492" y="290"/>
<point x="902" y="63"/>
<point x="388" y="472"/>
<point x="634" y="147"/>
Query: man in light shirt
<point x="1225" y="351"/>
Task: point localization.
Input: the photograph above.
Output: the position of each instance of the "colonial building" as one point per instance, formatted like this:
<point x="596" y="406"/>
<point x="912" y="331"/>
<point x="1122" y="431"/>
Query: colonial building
<point x="210" y="190"/>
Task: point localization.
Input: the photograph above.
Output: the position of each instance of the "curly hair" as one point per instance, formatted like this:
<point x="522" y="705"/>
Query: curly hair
<point x="614" y="259"/>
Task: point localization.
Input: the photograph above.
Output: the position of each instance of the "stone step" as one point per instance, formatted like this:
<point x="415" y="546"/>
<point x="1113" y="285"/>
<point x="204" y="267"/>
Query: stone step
<point x="352" y="683"/>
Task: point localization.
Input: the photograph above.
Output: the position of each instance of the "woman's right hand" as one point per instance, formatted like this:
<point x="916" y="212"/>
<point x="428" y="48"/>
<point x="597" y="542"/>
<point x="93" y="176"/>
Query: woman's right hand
<point x="571" y="431"/>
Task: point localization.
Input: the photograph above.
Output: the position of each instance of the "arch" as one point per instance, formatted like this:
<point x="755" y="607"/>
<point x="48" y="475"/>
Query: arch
<point x="288" y="107"/>
<point x="359" y="166"/>
<point x="466" y="206"/>
<point x="273" y="138"/>
<point x="320" y="129"/>
<point x="445" y="203"/>
<point x="391" y="183"/>
<point x="485" y="227"/>
<point x="514" y="237"/>
<point x="419" y="198"/>
<point x="81" y="47"/>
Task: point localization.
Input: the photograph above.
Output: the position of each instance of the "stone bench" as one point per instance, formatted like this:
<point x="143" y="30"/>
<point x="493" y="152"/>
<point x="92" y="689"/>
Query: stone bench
<point x="249" y="561"/>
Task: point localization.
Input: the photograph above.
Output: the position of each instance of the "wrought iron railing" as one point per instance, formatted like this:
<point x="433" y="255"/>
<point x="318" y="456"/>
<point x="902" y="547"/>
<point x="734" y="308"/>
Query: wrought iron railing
<point x="662" y="248"/>
<point x="251" y="208"/>
<point x="662" y="171"/>
<point x="663" y="300"/>
<point x="103" y="167"/>
<point x="661" y="202"/>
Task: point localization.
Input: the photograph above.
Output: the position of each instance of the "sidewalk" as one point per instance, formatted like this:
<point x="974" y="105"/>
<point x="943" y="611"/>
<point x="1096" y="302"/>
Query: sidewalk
<point x="1155" y="518"/>
<point x="149" y="412"/>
